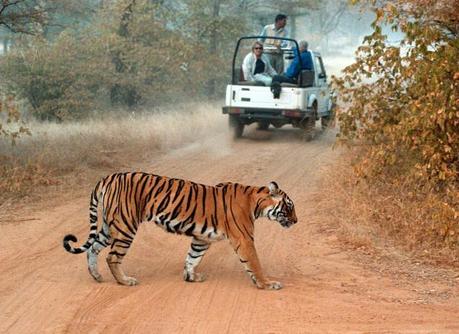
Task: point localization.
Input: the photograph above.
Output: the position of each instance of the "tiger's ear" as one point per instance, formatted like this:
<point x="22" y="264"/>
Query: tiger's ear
<point x="273" y="188"/>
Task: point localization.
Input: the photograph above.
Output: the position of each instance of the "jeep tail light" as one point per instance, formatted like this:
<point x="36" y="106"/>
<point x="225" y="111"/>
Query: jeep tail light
<point x="235" y="111"/>
<point x="292" y="113"/>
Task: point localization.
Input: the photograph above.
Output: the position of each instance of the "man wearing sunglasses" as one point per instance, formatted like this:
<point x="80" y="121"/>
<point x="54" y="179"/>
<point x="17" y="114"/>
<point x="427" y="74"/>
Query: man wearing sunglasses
<point x="256" y="66"/>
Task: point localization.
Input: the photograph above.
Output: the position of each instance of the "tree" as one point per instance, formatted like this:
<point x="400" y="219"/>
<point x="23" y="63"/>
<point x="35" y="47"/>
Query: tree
<point x="21" y="15"/>
<point x="212" y="27"/>
<point x="18" y="17"/>
<point x="119" y="93"/>
<point x="37" y="16"/>
<point x="402" y="100"/>
<point x="328" y="16"/>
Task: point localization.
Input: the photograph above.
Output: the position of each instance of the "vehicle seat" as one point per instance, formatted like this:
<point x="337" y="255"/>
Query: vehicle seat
<point x="239" y="75"/>
<point x="251" y="83"/>
<point x="306" y="78"/>
<point x="288" y="84"/>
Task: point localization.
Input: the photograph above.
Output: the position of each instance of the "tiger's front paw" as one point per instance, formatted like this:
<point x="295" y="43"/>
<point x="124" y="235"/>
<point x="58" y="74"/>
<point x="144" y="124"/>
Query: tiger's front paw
<point x="129" y="281"/>
<point x="199" y="277"/>
<point x="270" y="285"/>
<point x="274" y="285"/>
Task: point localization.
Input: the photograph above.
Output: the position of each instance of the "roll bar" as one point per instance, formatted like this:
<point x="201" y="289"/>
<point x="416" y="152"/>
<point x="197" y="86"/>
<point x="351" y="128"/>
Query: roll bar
<point x="233" y="81"/>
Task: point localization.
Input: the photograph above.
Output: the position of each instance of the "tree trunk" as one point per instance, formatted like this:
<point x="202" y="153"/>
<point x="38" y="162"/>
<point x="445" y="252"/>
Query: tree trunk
<point x="123" y="94"/>
<point x="5" y="45"/>
<point x="213" y="42"/>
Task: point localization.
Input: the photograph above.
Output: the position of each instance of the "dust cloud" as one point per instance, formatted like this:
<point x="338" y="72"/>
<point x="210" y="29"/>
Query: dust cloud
<point x="69" y="145"/>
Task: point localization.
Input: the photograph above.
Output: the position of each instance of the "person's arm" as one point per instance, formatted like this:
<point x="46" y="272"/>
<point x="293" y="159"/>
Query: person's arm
<point x="247" y="68"/>
<point x="263" y="33"/>
<point x="285" y="44"/>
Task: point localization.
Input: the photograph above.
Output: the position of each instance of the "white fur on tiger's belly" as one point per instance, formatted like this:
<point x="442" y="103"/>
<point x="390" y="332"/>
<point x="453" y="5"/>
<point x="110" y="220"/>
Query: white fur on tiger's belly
<point x="210" y="234"/>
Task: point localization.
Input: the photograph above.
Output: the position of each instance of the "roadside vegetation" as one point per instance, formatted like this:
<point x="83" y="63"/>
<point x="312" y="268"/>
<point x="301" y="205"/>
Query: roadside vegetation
<point x="401" y="120"/>
<point x="62" y="154"/>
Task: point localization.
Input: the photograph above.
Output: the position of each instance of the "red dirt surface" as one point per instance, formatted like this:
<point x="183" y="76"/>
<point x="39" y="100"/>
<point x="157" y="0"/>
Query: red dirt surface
<point x="44" y="289"/>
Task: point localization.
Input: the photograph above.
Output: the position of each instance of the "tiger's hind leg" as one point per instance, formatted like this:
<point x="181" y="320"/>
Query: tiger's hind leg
<point x="121" y="241"/>
<point x="102" y="241"/>
<point x="197" y="250"/>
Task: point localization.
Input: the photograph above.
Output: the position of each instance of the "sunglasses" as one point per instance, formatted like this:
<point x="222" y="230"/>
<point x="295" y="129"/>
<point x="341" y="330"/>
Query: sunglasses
<point x="258" y="48"/>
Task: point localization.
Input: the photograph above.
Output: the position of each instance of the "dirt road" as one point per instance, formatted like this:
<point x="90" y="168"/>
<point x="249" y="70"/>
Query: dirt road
<point x="326" y="288"/>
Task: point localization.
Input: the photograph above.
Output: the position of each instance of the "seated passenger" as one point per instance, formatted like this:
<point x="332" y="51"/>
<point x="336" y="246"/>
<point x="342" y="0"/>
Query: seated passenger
<point x="256" y="66"/>
<point x="291" y="75"/>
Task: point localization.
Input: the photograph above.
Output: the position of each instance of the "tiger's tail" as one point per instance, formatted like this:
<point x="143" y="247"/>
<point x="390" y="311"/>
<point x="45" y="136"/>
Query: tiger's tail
<point x="95" y="196"/>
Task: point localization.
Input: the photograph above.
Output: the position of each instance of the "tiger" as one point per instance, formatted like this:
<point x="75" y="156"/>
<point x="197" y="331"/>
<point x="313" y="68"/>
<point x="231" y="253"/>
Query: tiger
<point x="205" y="213"/>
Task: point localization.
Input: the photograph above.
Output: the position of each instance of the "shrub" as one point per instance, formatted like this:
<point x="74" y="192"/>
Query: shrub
<point x="402" y="100"/>
<point x="400" y="105"/>
<point x="11" y="124"/>
<point x="62" y="79"/>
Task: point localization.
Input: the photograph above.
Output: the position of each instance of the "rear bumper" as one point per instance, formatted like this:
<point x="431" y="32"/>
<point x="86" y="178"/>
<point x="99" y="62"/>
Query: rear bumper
<point x="273" y="114"/>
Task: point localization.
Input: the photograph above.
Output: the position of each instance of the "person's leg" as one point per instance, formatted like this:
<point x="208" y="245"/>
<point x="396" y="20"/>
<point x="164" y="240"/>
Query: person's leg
<point x="279" y="63"/>
<point x="283" y="78"/>
<point x="265" y="79"/>
<point x="290" y="80"/>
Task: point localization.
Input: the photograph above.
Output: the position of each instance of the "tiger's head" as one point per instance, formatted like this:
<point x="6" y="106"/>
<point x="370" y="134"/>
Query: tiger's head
<point x="279" y="207"/>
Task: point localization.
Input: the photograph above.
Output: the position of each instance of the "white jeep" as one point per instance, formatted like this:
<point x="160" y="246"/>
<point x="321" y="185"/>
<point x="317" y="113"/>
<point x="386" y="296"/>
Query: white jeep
<point x="299" y="104"/>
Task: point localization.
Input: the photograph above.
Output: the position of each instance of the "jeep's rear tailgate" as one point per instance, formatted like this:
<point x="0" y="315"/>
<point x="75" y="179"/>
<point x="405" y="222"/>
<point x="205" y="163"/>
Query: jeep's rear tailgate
<point x="261" y="97"/>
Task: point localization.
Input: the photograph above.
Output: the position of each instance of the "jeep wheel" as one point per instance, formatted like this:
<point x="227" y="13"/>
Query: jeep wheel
<point x="325" y="122"/>
<point x="236" y="125"/>
<point x="308" y="132"/>
<point x="308" y="125"/>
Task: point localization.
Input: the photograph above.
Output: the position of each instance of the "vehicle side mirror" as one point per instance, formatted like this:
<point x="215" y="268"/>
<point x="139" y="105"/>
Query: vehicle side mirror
<point x="322" y="76"/>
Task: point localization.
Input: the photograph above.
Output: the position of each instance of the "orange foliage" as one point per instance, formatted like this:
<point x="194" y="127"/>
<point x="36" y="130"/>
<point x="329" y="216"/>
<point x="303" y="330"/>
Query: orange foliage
<point x="401" y="105"/>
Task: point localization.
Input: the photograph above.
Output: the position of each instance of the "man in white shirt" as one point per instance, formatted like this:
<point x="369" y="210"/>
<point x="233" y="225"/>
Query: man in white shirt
<point x="256" y="66"/>
<point x="278" y="29"/>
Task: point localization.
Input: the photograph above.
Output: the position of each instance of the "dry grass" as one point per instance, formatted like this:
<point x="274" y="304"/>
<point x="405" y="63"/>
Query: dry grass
<point x="391" y="212"/>
<point x="55" y="151"/>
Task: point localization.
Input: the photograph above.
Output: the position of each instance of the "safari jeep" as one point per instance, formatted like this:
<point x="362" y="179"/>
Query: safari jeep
<point x="300" y="104"/>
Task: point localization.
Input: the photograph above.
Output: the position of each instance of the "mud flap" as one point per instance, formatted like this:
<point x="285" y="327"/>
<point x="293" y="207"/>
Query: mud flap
<point x="276" y="89"/>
